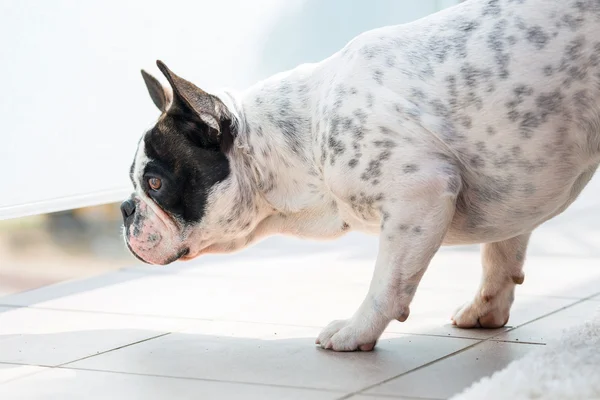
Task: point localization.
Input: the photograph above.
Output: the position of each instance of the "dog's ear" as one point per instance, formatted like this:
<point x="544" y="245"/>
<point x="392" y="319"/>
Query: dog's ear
<point x="210" y="109"/>
<point x="160" y="95"/>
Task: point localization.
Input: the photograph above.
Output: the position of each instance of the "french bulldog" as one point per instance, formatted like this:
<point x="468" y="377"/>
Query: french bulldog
<point x="473" y="125"/>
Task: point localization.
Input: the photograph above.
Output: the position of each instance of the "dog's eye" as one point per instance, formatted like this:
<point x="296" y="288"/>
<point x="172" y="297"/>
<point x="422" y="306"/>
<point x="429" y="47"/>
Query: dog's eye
<point x="154" y="183"/>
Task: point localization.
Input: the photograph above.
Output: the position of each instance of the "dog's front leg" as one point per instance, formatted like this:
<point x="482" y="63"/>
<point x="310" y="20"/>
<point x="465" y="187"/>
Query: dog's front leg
<point x="414" y="223"/>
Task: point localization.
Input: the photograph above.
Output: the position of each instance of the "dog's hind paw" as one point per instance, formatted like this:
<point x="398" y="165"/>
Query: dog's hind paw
<point x="484" y="311"/>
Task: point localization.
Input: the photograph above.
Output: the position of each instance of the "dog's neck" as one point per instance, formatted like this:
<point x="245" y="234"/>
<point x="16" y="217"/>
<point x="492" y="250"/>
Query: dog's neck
<point x="275" y="130"/>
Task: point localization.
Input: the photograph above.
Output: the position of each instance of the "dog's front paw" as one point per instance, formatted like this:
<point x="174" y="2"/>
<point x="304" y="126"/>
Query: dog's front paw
<point x="345" y="335"/>
<point x="485" y="311"/>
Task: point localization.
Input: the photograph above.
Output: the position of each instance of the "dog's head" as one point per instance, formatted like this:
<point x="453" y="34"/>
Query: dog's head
<point x="184" y="190"/>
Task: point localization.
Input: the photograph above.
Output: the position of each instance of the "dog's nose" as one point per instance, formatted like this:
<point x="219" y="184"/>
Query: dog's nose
<point x="127" y="208"/>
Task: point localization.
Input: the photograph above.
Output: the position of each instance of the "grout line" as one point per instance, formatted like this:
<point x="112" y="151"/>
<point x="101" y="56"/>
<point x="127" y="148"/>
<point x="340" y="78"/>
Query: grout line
<point x="464" y="349"/>
<point x="114" y="349"/>
<point x="516" y="342"/>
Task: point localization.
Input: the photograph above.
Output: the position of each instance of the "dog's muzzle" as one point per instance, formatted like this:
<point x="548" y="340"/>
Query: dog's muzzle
<point x="145" y="237"/>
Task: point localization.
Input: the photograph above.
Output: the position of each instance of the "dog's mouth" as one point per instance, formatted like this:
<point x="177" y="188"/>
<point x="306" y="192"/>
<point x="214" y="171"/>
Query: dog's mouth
<point x="190" y="255"/>
<point x="179" y="256"/>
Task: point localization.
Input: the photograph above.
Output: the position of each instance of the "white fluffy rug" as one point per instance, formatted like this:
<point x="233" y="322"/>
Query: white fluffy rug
<point x="565" y="369"/>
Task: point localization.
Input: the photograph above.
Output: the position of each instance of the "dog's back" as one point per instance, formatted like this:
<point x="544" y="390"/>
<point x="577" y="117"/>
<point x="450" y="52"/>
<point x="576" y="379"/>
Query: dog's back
<point x="510" y="87"/>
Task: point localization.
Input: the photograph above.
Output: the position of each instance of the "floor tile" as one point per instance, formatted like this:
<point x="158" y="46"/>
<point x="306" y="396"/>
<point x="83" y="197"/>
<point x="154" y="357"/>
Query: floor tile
<point x="69" y="384"/>
<point x="14" y="371"/>
<point x="51" y="337"/>
<point x="271" y="354"/>
<point x="551" y="327"/>
<point x="451" y="375"/>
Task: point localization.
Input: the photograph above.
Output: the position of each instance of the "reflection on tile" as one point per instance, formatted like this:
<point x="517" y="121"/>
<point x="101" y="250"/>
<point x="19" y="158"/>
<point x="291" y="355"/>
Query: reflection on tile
<point x="271" y="354"/>
<point x="10" y="372"/>
<point x="551" y="327"/>
<point x="69" y="384"/>
<point x="49" y="337"/>
<point x="451" y="375"/>
<point x="205" y="297"/>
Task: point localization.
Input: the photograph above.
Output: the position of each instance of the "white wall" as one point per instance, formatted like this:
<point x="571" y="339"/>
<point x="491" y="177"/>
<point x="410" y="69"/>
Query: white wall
<point x="73" y="104"/>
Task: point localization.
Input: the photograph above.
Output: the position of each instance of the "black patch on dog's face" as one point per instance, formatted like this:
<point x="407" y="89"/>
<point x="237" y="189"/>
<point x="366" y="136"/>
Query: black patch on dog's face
<point x="187" y="147"/>
<point x="188" y="163"/>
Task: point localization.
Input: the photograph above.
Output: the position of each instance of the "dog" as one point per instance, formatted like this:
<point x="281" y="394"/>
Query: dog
<point x="473" y="125"/>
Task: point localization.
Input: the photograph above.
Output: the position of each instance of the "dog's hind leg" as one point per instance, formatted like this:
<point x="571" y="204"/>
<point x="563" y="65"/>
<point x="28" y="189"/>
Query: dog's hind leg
<point x="502" y="271"/>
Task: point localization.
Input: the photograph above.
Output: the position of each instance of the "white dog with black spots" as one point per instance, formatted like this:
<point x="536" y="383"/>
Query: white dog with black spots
<point x="473" y="125"/>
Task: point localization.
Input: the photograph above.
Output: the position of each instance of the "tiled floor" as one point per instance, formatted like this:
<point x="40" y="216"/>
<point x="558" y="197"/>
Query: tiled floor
<point x="243" y="326"/>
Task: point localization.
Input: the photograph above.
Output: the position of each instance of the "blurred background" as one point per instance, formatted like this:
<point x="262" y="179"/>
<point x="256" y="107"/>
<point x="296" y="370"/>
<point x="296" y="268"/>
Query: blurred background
<point x="39" y="250"/>
<point x="74" y="105"/>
